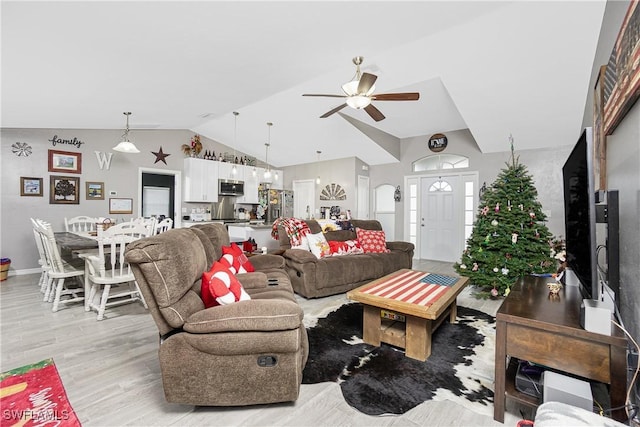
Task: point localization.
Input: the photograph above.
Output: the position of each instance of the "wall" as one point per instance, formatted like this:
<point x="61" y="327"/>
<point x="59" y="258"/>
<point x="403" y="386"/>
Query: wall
<point x="545" y="167"/>
<point x="341" y="171"/>
<point x="16" y="237"/>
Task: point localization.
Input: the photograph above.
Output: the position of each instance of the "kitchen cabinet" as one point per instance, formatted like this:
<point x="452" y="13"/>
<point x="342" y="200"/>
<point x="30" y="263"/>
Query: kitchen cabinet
<point x="225" y="171"/>
<point x="251" y="183"/>
<point x="200" y="180"/>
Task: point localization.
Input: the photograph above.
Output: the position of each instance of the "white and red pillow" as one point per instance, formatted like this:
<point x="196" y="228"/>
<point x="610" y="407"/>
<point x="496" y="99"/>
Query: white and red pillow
<point x="318" y="245"/>
<point x="372" y="241"/>
<point x="220" y="287"/>
<point x="345" y="247"/>
<point x="235" y="260"/>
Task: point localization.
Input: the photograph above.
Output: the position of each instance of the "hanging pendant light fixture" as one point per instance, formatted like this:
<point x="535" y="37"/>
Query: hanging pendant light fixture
<point x="126" y="146"/>
<point x="318" y="166"/>
<point x="234" y="168"/>
<point x="267" y="173"/>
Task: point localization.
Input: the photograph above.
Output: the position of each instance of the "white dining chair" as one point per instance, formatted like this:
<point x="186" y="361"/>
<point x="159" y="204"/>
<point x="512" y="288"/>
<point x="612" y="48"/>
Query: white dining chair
<point x="59" y="271"/>
<point x="80" y="224"/>
<point x="150" y="223"/>
<point x="109" y="276"/>
<point x="42" y="261"/>
<point x="164" y="225"/>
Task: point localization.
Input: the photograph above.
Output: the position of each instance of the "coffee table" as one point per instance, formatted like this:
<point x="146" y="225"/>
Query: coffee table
<point x="412" y="306"/>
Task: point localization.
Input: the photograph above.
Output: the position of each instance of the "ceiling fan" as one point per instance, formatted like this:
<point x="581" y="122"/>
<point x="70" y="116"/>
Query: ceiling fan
<point x="359" y="94"/>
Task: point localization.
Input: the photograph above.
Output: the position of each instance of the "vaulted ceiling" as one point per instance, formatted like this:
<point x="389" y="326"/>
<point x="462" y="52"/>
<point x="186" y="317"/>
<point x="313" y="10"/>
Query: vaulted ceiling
<point x="500" y="68"/>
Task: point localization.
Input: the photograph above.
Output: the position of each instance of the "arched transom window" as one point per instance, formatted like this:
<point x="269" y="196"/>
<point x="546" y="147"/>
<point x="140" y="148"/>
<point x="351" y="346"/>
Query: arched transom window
<point x="440" y="162"/>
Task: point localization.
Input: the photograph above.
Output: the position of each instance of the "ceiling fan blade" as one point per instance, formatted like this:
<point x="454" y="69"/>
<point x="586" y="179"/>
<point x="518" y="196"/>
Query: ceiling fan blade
<point x="335" y="110"/>
<point x="374" y="112"/>
<point x="366" y="81"/>
<point x="407" y="96"/>
<point x="319" y="94"/>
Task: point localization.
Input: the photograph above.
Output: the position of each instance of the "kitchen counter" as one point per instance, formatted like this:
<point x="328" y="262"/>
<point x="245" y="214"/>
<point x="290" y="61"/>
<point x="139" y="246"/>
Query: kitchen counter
<point x="261" y="233"/>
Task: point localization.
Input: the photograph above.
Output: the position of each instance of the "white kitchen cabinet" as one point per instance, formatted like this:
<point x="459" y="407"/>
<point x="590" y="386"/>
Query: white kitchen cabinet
<point x="200" y="180"/>
<point x="251" y="183"/>
<point x="225" y="171"/>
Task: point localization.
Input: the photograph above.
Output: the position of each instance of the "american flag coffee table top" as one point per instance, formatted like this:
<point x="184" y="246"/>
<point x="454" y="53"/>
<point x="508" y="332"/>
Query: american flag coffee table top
<point x="414" y="287"/>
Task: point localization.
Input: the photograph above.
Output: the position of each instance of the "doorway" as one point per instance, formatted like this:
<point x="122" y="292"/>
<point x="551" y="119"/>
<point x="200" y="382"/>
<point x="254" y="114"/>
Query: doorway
<point x="159" y="194"/>
<point x="440" y="218"/>
<point x="363" y="197"/>
<point x="304" y="198"/>
<point x="385" y="209"/>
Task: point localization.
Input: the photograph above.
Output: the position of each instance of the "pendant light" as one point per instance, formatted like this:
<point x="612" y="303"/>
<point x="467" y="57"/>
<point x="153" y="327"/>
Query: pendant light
<point x="317" y="167"/>
<point x="234" y="168"/>
<point x="126" y="146"/>
<point x="267" y="173"/>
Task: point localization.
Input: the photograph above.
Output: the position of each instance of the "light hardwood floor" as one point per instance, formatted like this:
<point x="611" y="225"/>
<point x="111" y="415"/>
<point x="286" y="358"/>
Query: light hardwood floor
<point x="111" y="374"/>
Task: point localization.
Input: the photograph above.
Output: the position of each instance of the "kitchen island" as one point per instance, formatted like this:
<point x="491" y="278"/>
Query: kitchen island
<point x="261" y="233"/>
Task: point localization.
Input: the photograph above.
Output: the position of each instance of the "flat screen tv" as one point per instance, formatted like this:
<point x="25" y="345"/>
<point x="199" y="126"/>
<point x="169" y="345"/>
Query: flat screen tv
<point x="580" y="214"/>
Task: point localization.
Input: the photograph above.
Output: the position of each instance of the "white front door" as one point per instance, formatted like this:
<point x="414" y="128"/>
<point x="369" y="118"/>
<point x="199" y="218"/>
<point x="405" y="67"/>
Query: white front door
<point x="304" y="196"/>
<point x="440" y="218"/>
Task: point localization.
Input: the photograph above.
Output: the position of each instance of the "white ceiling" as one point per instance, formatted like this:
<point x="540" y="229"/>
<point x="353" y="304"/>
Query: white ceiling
<point x="496" y="68"/>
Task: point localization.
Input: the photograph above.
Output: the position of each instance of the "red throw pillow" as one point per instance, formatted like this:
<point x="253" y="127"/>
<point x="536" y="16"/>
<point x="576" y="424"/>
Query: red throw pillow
<point x="235" y="260"/>
<point x="220" y="287"/>
<point x="344" y="248"/>
<point x="372" y="241"/>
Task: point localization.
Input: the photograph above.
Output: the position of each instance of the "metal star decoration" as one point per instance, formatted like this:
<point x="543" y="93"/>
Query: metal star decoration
<point x="160" y="156"/>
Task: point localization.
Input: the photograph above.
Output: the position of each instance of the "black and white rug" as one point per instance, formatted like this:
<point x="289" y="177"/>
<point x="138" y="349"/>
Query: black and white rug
<point x="381" y="380"/>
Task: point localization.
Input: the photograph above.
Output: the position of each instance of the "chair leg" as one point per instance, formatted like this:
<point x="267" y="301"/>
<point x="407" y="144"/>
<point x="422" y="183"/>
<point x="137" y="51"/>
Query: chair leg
<point x="92" y="294"/>
<point x="58" y="292"/>
<point x="103" y="301"/>
<point x="48" y="295"/>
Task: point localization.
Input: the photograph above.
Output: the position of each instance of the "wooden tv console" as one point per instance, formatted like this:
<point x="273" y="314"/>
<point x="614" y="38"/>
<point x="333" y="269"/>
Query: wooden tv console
<point x="532" y="325"/>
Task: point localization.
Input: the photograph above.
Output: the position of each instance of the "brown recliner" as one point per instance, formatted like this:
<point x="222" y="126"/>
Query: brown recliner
<point x="249" y="352"/>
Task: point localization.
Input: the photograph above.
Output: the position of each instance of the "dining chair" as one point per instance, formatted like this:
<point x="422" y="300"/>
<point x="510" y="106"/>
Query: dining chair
<point x="80" y="224"/>
<point x="59" y="271"/>
<point x="42" y="261"/>
<point x="108" y="273"/>
<point x="150" y="223"/>
<point x="164" y="225"/>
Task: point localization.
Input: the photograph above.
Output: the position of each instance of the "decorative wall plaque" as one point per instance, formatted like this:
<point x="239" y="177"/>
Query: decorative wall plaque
<point x="333" y="192"/>
<point x="437" y="142"/>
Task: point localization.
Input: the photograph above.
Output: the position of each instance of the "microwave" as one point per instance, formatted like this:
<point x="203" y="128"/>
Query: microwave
<point x="229" y="187"/>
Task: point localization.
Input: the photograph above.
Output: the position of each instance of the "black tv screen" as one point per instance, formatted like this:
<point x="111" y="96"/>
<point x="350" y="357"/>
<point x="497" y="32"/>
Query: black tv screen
<point x="580" y="214"/>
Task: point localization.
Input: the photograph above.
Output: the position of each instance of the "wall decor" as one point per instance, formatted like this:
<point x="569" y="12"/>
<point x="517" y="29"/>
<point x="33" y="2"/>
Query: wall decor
<point x="599" y="137"/>
<point x="333" y="192"/>
<point x="160" y="156"/>
<point x="438" y="142"/>
<point x="30" y="186"/>
<point x="119" y="205"/>
<point x="622" y="78"/>
<point x="104" y="159"/>
<point x="21" y="149"/>
<point x="64" y="190"/>
<point x="65" y="161"/>
<point x="75" y="141"/>
<point x="95" y="190"/>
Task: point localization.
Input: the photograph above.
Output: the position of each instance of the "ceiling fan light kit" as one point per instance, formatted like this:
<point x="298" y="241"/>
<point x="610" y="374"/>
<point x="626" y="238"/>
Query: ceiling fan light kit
<point x="358" y="94"/>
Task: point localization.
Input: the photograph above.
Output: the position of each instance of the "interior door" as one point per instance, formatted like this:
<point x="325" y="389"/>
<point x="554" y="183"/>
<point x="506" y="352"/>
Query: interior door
<point x="158" y="195"/>
<point x="440" y="218"/>
<point x="304" y="196"/>
<point x="363" y="197"/>
<point x="385" y="209"/>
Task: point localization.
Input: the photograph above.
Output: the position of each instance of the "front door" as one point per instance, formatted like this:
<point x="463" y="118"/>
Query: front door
<point x="440" y="218"/>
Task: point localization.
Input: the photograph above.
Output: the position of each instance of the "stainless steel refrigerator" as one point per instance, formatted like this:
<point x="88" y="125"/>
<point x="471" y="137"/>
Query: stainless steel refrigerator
<point x="279" y="204"/>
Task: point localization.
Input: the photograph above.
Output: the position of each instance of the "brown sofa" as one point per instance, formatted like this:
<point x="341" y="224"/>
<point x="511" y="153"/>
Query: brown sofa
<point x="248" y="352"/>
<point x="312" y="277"/>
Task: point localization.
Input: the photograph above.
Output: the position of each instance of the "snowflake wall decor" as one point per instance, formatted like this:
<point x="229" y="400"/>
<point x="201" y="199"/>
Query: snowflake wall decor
<point x="21" y="149"/>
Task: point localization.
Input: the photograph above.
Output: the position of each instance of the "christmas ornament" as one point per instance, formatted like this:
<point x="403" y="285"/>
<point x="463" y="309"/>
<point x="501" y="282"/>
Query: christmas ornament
<point x="514" y="238"/>
<point x="521" y="206"/>
<point x="475" y="266"/>
<point x="532" y="215"/>
<point x="462" y="266"/>
<point x="509" y="205"/>
<point x="507" y="292"/>
<point x="485" y="210"/>
<point x="494" y="223"/>
<point x="497" y="209"/>
<point x="494" y="292"/>
<point x="486" y="239"/>
<point x="505" y="271"/>
<point x="495" y="269"/>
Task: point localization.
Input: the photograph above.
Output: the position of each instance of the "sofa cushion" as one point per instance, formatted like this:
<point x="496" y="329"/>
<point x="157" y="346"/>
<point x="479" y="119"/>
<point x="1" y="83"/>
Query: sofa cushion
<point x="235" y="260"/>
<point x="372" y="241"/>
<point x="318" y="245"/>
<point x="221" y="287"/>
<point x="333" y="271"/>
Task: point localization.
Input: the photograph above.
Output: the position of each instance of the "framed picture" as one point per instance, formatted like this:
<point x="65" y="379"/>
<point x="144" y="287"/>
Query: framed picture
<point x="622" y="81"/>
<point x="64" y="190"/>
<point x="95" y="190"/>
<point x="30" y="186"/>
<point x="119" y="205"/>
<point x="65" y="161"/>
<point x="599" y="137"/>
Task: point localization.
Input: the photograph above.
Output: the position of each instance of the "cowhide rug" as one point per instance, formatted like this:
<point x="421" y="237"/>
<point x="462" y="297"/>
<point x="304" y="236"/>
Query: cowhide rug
<point x="381" y="380"/>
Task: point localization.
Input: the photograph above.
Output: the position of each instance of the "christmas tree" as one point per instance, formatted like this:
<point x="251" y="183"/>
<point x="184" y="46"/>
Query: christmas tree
<point x="509" y="238"/>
